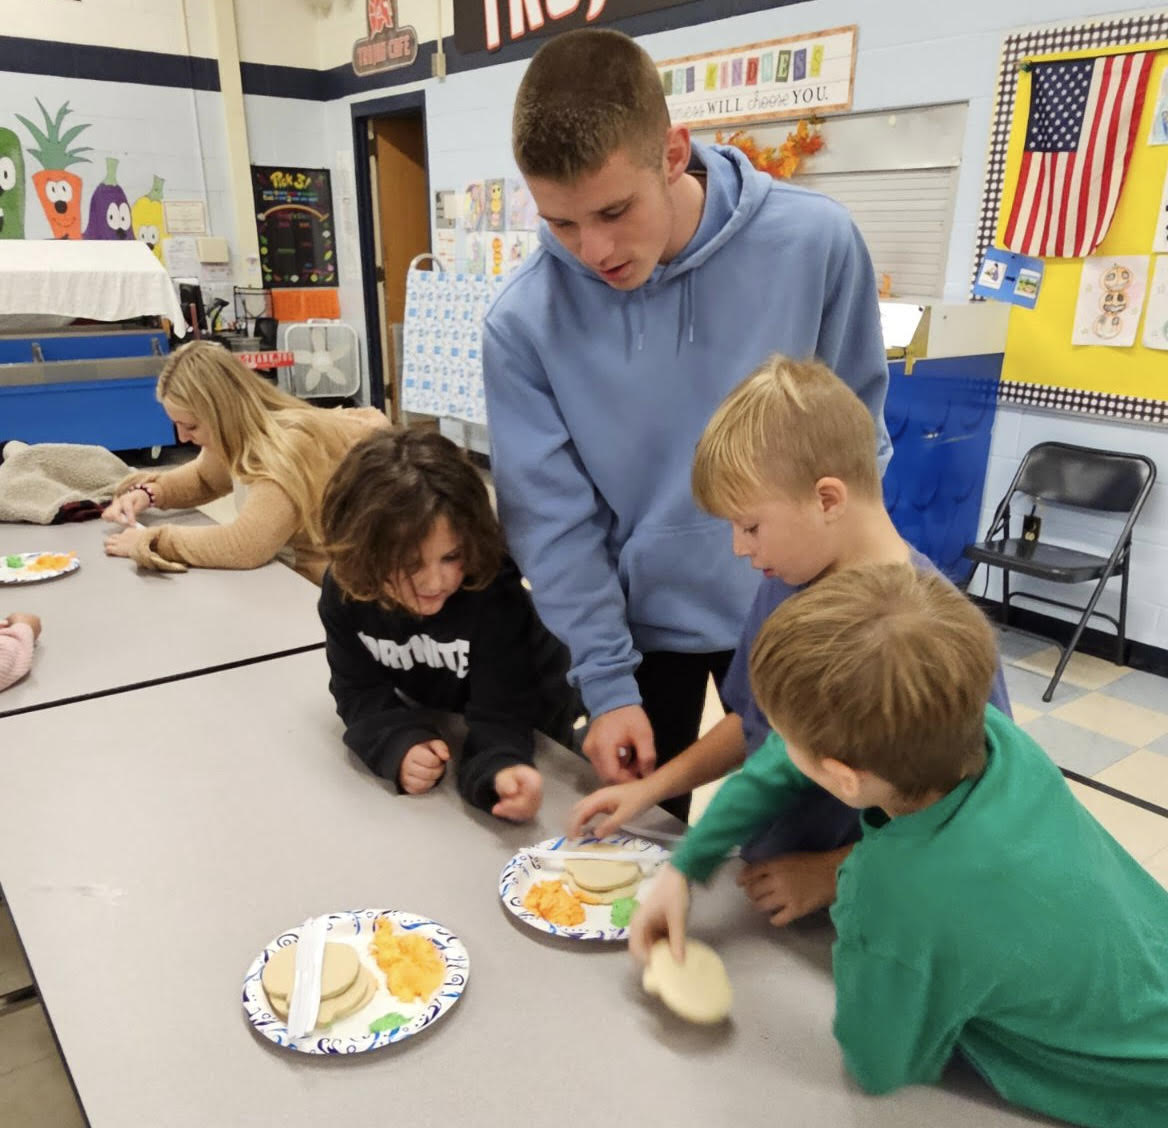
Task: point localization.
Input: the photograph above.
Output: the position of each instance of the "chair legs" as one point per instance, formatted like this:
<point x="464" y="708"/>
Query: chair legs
<point x="1005" y="614"/>
<point x="1121" y="627"/>
<point x="1081" y="626"/>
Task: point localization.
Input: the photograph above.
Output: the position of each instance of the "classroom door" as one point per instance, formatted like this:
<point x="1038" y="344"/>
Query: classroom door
<point x="398" y="149"/>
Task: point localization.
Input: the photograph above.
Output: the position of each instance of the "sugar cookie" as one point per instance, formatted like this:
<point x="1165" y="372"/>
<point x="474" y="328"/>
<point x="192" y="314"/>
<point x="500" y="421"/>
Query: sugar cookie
<point x="336" y="975"/>
<point x="697" y="990"/>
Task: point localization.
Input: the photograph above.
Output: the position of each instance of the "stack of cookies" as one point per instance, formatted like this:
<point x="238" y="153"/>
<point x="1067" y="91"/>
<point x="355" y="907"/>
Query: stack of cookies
<point x="601" y="882"/>
<point x="346" y="985"/>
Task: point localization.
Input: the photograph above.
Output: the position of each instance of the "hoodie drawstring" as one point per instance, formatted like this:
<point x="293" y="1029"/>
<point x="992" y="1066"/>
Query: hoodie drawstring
<point x="685" y="320"/>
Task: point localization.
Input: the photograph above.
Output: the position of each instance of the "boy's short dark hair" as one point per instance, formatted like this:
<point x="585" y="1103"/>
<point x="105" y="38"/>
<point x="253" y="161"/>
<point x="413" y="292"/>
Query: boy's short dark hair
<point x="586" y="94"/>
<point x="382" y="503"/>
<point x="884" y="668"/>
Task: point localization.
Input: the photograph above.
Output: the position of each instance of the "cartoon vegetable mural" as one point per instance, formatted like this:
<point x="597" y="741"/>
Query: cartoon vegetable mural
<point x="59" y="191"/>
<point x="11" y="186"/>
<point x="149" y="218"/>
<point x="109" y="210"/>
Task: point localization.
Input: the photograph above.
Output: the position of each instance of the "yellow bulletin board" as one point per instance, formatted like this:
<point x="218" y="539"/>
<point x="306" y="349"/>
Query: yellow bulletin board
<point x="1038" y="343"/>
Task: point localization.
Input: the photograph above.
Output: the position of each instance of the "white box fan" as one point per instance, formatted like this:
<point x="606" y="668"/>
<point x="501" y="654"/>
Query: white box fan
<point x="326" y="359"/>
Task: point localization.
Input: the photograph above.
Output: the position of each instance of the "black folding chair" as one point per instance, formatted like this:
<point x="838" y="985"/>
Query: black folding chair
<point x="1079" y="477"/>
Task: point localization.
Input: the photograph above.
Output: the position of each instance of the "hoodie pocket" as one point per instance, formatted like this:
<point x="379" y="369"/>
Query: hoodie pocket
<point x="682" y="583"/>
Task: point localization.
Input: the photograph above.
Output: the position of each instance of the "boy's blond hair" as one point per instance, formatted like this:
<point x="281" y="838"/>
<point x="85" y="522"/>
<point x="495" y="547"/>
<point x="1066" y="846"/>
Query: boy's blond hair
<point x="586" y="94"/>
<point x="786" y="426"/>
<point x="883" y="668"/>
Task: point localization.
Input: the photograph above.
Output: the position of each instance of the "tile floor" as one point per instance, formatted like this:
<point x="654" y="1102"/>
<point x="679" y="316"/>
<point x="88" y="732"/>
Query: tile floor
<point x="1106" y="722"/>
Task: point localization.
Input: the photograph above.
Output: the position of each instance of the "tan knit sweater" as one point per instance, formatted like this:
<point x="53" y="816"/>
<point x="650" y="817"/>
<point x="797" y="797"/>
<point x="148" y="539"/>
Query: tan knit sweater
<point x="266" y="524"/>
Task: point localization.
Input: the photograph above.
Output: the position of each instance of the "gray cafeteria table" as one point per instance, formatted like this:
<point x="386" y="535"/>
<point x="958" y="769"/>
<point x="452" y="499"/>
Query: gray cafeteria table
<point x="110" y="625"/>
<point x="154" y="842"/>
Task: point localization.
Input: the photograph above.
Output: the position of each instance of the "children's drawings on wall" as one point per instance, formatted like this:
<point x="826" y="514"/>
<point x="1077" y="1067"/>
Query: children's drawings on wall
<point x="58" y="189"/>
<point x="1160" y="239"/>
<point x="1158" y="135"/>
<point x="1111" y="298"/>
<point x="473" y="206"/>
<point x="522" y="214"/>
<point x="11" y="186"/>
<point x="1156" y="319"/>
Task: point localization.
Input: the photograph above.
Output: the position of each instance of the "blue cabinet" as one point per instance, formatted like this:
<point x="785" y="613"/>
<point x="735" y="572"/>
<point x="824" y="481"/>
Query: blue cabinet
<point x="92" y="386"/>
<point x="940" y="420"/>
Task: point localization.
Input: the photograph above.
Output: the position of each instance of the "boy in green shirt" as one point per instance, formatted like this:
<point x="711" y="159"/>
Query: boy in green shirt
<point x="984" y="911"/>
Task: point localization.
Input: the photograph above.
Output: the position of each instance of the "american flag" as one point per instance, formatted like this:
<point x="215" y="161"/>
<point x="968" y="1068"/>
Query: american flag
<point x="1084" y="114"/>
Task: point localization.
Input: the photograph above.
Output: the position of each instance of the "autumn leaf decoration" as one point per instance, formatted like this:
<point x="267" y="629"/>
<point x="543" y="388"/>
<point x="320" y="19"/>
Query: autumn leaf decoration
<point x="784" y="161"/>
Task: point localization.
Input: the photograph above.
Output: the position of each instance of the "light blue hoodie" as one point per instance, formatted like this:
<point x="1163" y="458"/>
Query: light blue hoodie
<point x="597" y="397"/>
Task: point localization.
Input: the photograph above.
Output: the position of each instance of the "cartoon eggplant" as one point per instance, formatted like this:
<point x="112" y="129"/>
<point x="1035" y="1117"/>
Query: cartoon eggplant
<point x="150" y="219"/>
<point x="58" y="190"/>
<point x="109" y="210"/>
<point x="11" y="186"/>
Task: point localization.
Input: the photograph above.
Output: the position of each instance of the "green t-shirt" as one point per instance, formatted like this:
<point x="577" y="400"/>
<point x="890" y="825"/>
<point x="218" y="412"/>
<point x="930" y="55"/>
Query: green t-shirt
<point x="1002" y="921"/>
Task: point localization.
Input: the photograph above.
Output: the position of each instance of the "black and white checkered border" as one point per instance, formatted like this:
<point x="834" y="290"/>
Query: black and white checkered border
<point x="1043" y="41"/>
<point x="1015" y="48"/>
<point x="1129" y="409"/>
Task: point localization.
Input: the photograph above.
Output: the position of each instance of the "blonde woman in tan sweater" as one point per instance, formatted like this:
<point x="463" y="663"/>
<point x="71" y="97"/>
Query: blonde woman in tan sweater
<point x="282" y="450"/>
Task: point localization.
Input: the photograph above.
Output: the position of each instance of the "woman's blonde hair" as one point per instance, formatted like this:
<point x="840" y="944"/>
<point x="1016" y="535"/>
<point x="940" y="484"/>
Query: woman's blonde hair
<point x="262" y="433"/>
<point x="788" y="424"/>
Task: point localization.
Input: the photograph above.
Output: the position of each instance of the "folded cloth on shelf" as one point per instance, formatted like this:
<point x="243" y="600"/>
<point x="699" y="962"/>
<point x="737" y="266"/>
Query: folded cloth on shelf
<point x="37" y="481"/>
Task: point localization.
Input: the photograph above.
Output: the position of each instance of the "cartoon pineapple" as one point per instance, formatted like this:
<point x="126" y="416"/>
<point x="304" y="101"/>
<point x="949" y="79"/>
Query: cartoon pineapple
<point x="58" y="190"/>
<point x="150" y="219"/>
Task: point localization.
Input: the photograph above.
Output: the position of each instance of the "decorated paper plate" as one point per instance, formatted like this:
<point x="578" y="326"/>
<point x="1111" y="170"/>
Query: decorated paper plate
<point x="30" y="567"/>
<point x="382" y="1020"/>
<point x="527" y="888"/>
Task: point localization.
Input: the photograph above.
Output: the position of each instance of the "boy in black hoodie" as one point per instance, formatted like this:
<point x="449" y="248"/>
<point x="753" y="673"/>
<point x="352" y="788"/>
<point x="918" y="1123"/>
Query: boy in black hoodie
<point x="424" y="615"/>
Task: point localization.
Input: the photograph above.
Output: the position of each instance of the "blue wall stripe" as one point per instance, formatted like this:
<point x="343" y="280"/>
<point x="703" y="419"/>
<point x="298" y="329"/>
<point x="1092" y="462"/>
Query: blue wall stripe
<point x="153" y="68"/>
<point x="107" y="64"/>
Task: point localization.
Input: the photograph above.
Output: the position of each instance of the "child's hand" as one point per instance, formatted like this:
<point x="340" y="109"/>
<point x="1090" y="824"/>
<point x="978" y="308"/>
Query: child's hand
<point x="622" y="802"/>
<point x="662" y="913"/>
<point x="32" y="621"/>
<point x="793" y="885"/>
<point x="423" y="766"/>
<point x="520" y="789"/>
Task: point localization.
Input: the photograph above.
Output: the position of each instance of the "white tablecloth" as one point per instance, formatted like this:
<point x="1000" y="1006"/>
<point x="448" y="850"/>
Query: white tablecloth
<point x="97" y="278"/>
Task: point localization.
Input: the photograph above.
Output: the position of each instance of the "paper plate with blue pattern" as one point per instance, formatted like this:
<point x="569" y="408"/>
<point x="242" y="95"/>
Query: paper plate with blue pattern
<point x="34" y="567"/>
<point x="391" y="1019"/>
<point x="523" y="871"/>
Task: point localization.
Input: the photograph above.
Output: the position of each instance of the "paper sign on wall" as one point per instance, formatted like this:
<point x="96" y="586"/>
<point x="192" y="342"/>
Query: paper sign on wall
<point x="1156" y="320"/>
<point x="1009" y="277"/>
<point x="781" y="78"/>
<point x="1160" y="241"/>
<point x="1158" y="135"/>
<point x="1111" y="297"/>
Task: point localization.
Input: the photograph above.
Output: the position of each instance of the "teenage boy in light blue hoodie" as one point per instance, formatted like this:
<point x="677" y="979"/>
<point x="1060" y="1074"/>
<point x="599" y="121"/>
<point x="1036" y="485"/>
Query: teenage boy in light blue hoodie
<point x="667" y="271"/>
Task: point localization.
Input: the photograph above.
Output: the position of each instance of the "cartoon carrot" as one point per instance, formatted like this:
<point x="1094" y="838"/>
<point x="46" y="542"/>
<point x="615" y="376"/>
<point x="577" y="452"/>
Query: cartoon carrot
<point x="109" y="210"/>
<point x="11" y="186"/>
<point x="58" y="191"/>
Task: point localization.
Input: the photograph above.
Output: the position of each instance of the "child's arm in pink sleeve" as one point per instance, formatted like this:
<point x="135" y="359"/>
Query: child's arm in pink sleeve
<point x="16" y="642"/>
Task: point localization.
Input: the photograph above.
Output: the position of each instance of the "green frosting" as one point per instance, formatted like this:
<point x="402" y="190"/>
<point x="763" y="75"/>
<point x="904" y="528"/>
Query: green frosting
<point x="622" y="911"/>
<point x="386" y="1022"/>
<point x="14" y="561"/>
